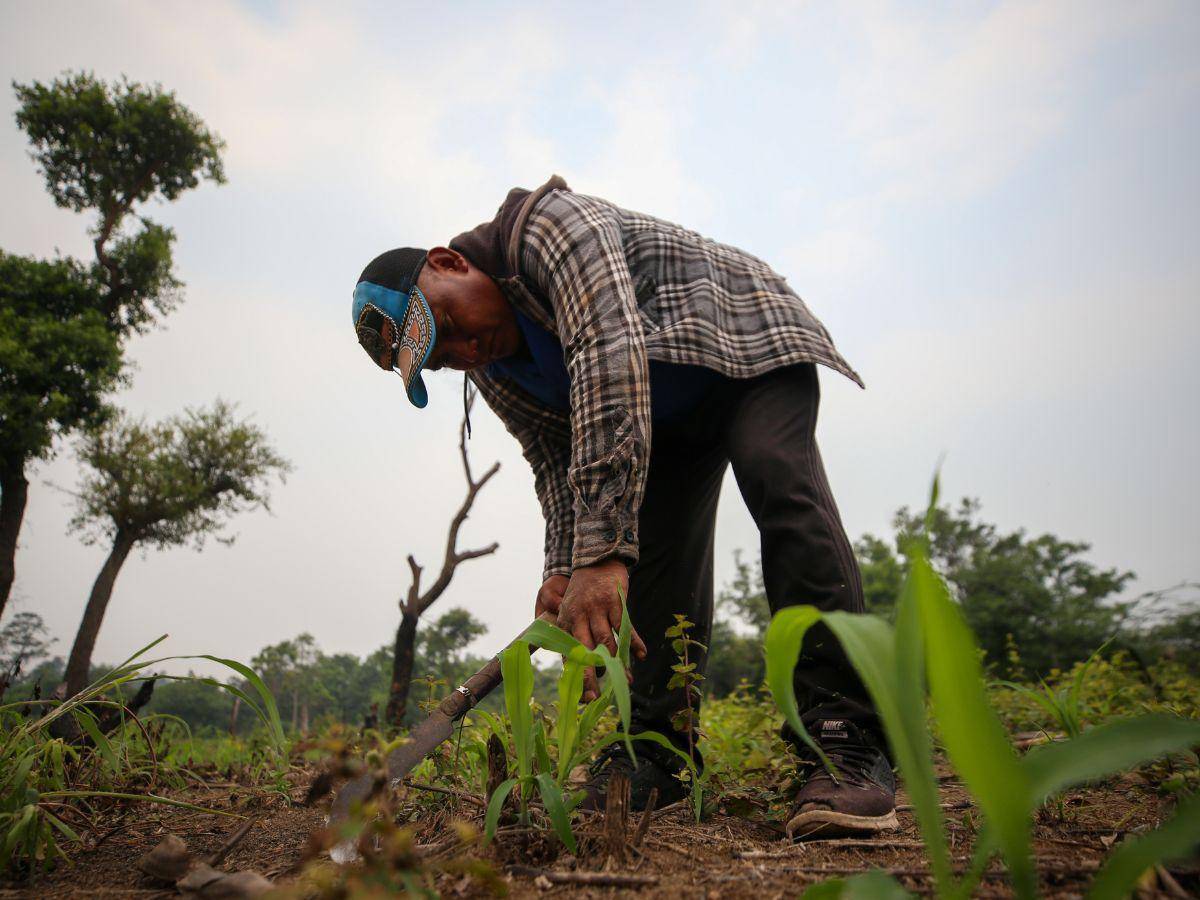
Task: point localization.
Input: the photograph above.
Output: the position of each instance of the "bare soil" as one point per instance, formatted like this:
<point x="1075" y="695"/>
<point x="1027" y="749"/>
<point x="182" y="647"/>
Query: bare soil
<point x="725" y="857"/>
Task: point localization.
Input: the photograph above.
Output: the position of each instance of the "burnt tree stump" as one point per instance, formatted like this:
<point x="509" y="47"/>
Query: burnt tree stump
<point x="616" y="816"/>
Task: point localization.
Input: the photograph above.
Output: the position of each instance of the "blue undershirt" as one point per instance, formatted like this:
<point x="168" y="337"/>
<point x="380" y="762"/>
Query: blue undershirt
<point x="538" y="368"/>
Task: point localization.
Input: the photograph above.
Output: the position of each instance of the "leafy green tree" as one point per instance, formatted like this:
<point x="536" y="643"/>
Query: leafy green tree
<point x="24" y="640"/>
<point x="735" y="655"/>
<point x="1057" y="606"/>
<point x="163" y="485"/>
<point x="442" y="643"/>
<point x="57" y="361"/>
<point x="107" y="148"/>
<point x="104" y="149"/>
<point x="882" y="575"/>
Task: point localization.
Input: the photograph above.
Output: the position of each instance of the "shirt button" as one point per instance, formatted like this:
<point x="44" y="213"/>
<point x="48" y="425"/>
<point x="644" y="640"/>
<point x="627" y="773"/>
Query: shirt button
<point x="610" y="534"/>
<point x="629" y="534"/>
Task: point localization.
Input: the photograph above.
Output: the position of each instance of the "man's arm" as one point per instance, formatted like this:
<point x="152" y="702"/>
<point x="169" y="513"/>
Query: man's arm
<point x="546" y="445"/>
<point x="572" y="250"/>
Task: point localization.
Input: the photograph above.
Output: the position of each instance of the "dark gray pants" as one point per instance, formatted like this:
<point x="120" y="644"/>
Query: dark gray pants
<point x="764" y="427"/>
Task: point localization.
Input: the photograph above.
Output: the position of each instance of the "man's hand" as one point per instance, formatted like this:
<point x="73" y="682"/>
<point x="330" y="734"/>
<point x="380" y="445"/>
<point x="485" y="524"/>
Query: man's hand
<point x="590" y="609"/>
<point x="550" y="596"/>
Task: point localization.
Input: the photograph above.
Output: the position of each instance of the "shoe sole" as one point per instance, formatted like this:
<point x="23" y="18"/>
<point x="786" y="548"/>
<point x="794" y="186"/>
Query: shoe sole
<point x="825" y="823"/>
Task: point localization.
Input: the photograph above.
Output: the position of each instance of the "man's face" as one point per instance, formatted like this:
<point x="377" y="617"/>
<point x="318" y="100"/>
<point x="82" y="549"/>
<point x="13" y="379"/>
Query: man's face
<point x="475" y="324"/>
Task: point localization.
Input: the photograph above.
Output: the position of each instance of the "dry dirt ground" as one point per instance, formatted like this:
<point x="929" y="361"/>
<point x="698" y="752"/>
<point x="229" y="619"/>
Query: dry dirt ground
<point x="726" y="857"/>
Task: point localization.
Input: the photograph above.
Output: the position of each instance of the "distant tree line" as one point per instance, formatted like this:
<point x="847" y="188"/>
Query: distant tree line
<point x="1036" y="593"/>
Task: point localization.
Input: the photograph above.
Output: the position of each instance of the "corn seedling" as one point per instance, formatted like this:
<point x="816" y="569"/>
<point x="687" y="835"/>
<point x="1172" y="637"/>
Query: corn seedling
<point x="41" y="804"/>
<point x="932" y="646"/>
<point x="536" y="770"/>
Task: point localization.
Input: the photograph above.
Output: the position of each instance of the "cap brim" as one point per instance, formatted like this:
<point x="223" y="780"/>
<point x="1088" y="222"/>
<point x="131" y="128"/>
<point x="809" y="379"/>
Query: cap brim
<point x="418" y="335"/>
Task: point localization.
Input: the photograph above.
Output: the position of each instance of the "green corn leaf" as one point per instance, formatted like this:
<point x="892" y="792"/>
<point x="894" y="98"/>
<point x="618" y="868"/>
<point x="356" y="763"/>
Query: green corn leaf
<point x="495" y="804"/>
<point x="916" y="759"/>
<point x="556" y="809"/>
<point x="874" y="885"/>
<point x="543" y="634"/>
<point x="1176" y="839"/>
<point x="655" y="737"/>
<point x="588" y="720"/>
<point x="625" y="632"/>
<point x="540" y="750"/>
<point x="784" y="636"/>
<point x="614" y="675"/>
<point x="974" y="738"/>
<point x="891" y="665"/>
<point x="570" y="690"/>
<point x="260" y="687"/>
<point x="517" y="671"/>
<point x="1106" y="749"/>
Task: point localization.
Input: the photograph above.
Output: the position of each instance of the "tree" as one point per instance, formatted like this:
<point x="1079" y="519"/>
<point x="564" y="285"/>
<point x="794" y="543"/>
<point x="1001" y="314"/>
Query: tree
<point x="441" y="645"/>
<point x="104" y="149"/>
<point x="1057" y="606"/>
<point x="289" y="667"/>
<point x="416" y="603"/>
<point x="735" y="655"/>
<point x="882" y="575"/>
<point x="57" y="361"/>
<point x="197" y="703"/>
<point x="163" y="485"/>
<point x="24" y="640"/>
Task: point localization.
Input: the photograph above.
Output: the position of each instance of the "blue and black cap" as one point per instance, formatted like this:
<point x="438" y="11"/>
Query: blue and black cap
<point x="393" y="320"/>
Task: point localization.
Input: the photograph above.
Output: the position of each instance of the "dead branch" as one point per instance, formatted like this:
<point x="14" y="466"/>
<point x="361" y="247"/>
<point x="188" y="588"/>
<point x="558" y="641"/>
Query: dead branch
<point x="604" y="879"/>
<point x="234" y="839"/>
<point x="418" y="602"/>
<point x="473" y="799"/>
<point x="414" y="605"/>
<point x="616" y="815"/>
<point x="643" y="824"/>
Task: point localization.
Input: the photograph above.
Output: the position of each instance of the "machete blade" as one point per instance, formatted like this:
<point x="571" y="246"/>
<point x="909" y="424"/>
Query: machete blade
<point x="423" y="740"/>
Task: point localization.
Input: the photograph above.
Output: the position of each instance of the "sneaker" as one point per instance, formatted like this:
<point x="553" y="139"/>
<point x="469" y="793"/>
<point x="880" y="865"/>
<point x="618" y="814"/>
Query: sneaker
<point x="649" y="774"/>
<point x="859" y="798"/>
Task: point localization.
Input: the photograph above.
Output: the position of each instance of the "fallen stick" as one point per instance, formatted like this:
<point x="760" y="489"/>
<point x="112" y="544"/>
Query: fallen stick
<point x="602" y="879"/>
<point x="644" y="823"/>
<point x="433" y="788"/>
<point x="234" y="839"/>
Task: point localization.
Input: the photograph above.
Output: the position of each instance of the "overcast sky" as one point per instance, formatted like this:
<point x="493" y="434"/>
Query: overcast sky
<point x="994" y="207"/>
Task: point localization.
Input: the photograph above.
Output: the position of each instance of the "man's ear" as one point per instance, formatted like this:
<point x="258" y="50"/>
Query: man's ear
<point x="445" y="261"/>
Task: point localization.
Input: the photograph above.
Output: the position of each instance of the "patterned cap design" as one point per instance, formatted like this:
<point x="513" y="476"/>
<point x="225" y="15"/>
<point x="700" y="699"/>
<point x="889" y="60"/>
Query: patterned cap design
<point x="392" y="318"/>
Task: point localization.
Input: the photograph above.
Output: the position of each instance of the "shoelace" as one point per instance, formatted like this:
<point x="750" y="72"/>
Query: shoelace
<point x="852" y="764"/>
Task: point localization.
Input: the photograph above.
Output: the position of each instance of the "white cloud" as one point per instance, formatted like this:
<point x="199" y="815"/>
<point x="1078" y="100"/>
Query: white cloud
<point x="947" y="107"/>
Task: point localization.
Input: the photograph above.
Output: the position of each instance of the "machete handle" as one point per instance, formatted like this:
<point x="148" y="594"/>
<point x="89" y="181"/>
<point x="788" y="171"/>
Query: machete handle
<point x="474" y="689"/>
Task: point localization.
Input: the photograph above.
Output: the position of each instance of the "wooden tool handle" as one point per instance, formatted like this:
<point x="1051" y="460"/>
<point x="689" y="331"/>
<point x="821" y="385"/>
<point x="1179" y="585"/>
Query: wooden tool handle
<point x="482" y="683"/>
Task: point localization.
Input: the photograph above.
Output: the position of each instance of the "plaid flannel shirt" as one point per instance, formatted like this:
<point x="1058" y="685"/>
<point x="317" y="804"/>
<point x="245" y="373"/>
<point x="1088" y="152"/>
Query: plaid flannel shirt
<point x="619" y="288"/>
